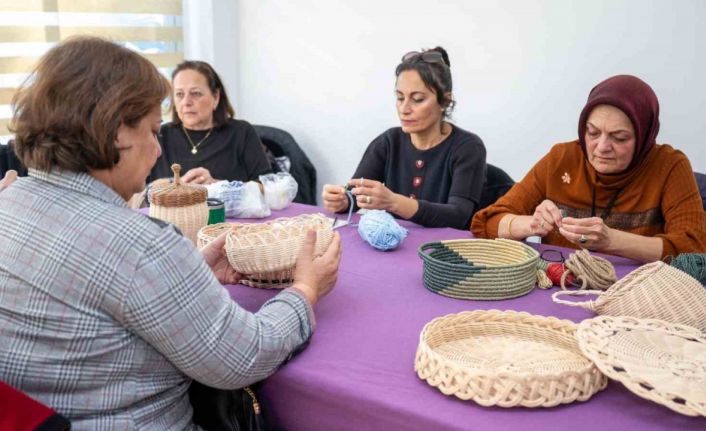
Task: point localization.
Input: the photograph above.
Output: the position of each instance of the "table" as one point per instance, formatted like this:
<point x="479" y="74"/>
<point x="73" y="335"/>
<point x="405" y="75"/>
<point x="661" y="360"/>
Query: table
<point x="358" y="370"/>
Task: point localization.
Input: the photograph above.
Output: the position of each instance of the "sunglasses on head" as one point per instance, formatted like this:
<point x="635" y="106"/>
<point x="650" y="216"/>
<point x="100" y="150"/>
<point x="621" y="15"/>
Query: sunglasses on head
<point x="426" y="56"/>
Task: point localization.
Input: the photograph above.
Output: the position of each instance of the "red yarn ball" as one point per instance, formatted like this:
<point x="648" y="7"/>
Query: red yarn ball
<point x="554" y="272"/>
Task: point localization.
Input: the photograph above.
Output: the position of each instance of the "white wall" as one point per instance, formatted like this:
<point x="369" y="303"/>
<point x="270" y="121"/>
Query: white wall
<point x="211" y="34"/>
<point x="522" y="69"/>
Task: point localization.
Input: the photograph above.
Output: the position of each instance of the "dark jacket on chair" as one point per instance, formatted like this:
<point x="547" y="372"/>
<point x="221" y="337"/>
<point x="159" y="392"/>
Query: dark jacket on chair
<point x="8" y="160"/>
<point x="281" y="143"/>
<point x="497" y="183"/>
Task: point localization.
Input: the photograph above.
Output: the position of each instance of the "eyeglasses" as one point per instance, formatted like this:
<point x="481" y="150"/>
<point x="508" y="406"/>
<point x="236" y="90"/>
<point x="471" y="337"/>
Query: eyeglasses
<point x="426" y="56"/>
<point x="550" y="255"/>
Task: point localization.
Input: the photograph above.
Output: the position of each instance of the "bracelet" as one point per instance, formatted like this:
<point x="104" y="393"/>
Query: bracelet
<point x="509" y="226"/>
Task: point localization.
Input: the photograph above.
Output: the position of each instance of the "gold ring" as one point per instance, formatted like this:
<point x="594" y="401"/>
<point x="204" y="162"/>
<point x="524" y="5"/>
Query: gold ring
<point x="542" y="224"/>
<point x="369" y="200"/>
<point x="583" y="239"/>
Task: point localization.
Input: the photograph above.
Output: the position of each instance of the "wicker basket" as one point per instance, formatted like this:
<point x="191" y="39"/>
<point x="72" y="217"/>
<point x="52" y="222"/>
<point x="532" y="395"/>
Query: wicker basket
<point x="652" y="291"/>
<point x="506" y="359"/>
<point x="657" y="360"/>
<point x="182" y="205"/>
<point x="210" y="232"/>
<point x="268" y="251"/>
<point x="479" y="268"/>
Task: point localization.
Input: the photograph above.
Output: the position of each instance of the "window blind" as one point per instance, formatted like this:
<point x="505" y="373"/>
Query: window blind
<point x="29" y="28"/>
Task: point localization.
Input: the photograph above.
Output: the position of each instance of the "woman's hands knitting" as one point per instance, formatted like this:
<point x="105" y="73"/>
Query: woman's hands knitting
<point x="334" y="197"/>
<point x="371" y="194"/>
<point x="546" y="217"/>
<point x="591" y="232"/>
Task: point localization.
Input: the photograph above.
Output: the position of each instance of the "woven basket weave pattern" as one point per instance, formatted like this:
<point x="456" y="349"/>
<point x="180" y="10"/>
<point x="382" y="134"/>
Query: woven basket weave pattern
<point x="506" y="359"/>
<point x="657" y="360"/>
<point x="652" y="291"/>
<point x="176" y="194"/>
<point x="479" y="269"/>
<point x="209" y="233"/>
<point x="268" y="251"/>
<point x="189" y="219"/>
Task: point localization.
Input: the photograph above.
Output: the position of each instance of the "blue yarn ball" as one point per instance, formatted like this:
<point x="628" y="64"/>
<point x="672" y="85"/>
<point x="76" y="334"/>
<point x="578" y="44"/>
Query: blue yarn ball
<point x="379" y="229"/>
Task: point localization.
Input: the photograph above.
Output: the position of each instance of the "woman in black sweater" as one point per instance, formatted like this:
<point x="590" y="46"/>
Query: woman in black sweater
<point x="203" y="136"/>
<point x="428" y="171"/>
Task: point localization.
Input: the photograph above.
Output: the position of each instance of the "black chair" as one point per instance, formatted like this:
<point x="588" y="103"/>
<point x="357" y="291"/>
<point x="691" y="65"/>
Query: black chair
<point x="8" y="160"/>
<point x="281" y="143"/>
<point x="497" y="183"/>
<point x="701" y="182"/>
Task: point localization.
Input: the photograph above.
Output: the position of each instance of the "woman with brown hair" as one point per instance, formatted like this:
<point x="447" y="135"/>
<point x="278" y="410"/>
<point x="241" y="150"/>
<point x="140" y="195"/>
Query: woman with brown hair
<point x="204" y="137"/>
<point x="613" y="190"/>
<point x="428" y="170"/>
<point x="106" y="315"/>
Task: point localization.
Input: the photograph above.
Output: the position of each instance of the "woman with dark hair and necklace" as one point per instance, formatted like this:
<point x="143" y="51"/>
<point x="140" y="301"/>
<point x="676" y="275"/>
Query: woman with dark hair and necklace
<point x="204" y="137"/>
<point x="428" y="171"/>
<point x="613" y="190"/>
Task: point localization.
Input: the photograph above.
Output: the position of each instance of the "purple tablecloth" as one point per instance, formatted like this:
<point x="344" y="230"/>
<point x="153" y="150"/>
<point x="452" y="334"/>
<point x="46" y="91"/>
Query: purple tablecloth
<point x="358" y="371"/>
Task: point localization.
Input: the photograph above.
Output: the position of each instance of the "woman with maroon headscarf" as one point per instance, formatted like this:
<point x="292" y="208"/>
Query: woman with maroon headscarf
<point x="613" y="190"/>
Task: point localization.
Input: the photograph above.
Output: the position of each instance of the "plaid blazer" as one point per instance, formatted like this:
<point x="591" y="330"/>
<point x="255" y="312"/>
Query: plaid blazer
<point x="106" y="315"/>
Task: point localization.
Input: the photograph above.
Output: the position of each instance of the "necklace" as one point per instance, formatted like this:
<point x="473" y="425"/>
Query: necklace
<point x="607" y="210"/>
<point x="194" y="147"/>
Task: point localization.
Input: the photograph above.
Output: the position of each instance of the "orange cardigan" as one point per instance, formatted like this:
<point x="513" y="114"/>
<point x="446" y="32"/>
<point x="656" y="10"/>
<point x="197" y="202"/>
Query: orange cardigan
<point x="659" y="198"/>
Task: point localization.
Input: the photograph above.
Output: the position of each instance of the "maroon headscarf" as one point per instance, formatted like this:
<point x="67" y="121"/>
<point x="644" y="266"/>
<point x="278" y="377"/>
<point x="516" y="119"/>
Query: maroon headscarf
<point x="637" y="100"/>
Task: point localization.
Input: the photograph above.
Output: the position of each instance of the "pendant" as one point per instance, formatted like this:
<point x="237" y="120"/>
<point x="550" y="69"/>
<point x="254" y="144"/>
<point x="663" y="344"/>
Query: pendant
<point x="193" y="151"/>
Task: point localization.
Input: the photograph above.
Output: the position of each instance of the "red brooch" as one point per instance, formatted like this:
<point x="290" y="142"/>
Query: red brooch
<point x="419" y="164"/>
<point x="413" y="196"/>
<point x="417" y="181"/>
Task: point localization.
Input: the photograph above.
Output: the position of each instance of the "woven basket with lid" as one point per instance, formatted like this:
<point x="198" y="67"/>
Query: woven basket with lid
<point x="183" y="205"/>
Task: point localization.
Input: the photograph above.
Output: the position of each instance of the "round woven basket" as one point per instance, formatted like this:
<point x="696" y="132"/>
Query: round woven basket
<point x="480" y="269"/>
<point x="657" y="360"/>
<point x="268" y="251"/>
<point x="506" y="359"/>
<point x="652" y="291"/>
<point x="210" y="232"/>
<point x="183" y="205"/>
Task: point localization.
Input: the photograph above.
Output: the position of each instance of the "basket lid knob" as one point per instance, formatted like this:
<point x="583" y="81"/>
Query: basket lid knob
<point x="177" y="194"/>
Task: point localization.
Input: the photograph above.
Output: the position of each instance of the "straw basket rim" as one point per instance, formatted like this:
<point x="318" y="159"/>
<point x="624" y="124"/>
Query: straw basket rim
<point x="211" y="231"/>
<point x="273" y="246"/>
<point x="573" y="378"/>
<point x="597" y="340"/>
<point x="482" y="241"/>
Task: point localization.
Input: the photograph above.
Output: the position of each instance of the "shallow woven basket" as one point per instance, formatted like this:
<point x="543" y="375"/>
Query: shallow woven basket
<point x="657" y="360"/>
<point x="506" y="359"/>
<point x="209" y="233"/>
<point x="652" y="291"/>
<point x="268" y="251"/>
<point x="479" y="268"/>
